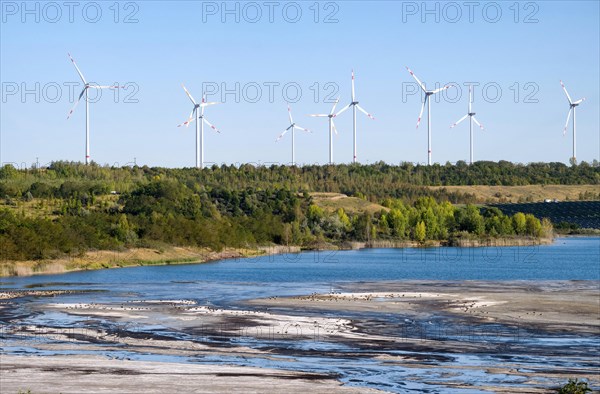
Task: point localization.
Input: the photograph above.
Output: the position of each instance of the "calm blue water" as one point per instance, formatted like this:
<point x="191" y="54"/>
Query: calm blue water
<point x="566" y="259"/>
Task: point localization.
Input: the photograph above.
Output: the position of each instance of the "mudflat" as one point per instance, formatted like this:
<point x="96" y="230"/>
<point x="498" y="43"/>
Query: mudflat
<point x="517" y="336"/>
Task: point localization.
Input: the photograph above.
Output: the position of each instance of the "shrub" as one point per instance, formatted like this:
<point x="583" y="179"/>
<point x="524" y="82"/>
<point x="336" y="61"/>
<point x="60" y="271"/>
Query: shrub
<point x="574" y="387"/>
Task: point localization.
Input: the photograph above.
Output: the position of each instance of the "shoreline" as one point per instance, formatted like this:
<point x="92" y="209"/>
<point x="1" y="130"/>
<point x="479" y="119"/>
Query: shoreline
<point x="137" y="257"/>
<point x="172" y="255"/>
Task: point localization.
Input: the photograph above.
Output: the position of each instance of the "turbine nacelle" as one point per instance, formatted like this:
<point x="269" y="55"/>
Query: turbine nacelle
<point x="576" y="104"/>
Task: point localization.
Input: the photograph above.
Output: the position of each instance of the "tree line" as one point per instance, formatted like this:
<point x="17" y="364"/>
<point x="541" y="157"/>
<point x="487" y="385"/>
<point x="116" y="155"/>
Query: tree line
<point x="221" y="207"/>
<point x="376" y="181"/>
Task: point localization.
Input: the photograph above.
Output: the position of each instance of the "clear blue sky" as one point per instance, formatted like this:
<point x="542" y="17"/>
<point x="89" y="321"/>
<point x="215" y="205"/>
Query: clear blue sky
<point x="175" y="42"/>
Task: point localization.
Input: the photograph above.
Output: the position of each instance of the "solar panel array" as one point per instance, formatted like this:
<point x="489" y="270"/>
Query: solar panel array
<point x="586" y="214"/>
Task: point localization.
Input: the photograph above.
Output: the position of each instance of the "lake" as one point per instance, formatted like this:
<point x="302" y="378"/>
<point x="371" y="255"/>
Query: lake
<point x="230" y="284"/>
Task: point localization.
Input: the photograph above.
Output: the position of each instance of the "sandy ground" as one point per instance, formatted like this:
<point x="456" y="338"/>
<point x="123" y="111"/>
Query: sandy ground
<point x="97" y="375"/>
<point x="572" y="307"/>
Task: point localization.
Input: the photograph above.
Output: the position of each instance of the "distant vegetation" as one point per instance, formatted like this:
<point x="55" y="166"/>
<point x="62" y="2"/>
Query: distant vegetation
<point x="70" y="208"/>
<point x="376" y="181"/>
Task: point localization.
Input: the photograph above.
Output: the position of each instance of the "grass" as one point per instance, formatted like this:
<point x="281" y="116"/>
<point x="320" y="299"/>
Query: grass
<point x="330" y="202"/>
<point x="125" y="258"/>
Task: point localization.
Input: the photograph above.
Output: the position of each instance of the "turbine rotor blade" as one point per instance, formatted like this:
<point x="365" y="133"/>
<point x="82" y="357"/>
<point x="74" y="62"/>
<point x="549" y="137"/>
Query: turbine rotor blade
<point x="189" y="120"/>
<point x="470" y="97"/>
<point x="460" y="120"/>
<point x="290" y="115"/>
<point x="302" y="128"/>
<point x="343" y="109"/>
<point x="202" y="104"/>
<point x="353" y="96"/>
<point x="567" y="93"/>
<point x="579" y="101"/>
<point x="318" y="115"/>
<point x="478" y="124"/>
<point x="333" y="127"/>
<point x="189" y="95"/>
<point x="103" y="87"/>
<point x="211" y="125"/>
<point x="76" y="102"/>
<point x="421" y="113"/>
<point x="442" y="88"/>
<point x="567" y="122"/>
<point x="416" y="79"/>
<point x="282" y="134"/>
<point x="186" y="123"/>
<point x="337" y="100"/>
<point x="77" y="68"/>
<point x="364" y="112"/>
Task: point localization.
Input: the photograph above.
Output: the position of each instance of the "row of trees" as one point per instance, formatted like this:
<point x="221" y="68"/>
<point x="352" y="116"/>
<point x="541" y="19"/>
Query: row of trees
<point x="378" y="180"/>
<point x="425" y="220"/>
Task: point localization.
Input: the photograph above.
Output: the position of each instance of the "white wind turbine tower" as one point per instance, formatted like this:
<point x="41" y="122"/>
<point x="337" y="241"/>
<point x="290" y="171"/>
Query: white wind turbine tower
<point x="572" y="106"/>
<point x="332" y="128"/>
<point x="472" y="119"/>
<point x="198" y="115"/>
<point x="354" y="105"/>
<point x="428" y="102"/>
<point x="86" y="86"/>
<point x="293" y="126"/>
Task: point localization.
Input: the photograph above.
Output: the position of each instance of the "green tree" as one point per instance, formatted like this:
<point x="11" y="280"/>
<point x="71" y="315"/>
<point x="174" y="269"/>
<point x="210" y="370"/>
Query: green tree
<point x="470" y="220"/>
<point x="519" y="223"/>
<point x="315" y="213"/>
<point x="506" y="226"/>
<point x="397" y="223"/>
<point x="532" y="225"/>
<point x="431" y="223"/>
<point x="420" y="231"/>
<point x="344" y="219"/>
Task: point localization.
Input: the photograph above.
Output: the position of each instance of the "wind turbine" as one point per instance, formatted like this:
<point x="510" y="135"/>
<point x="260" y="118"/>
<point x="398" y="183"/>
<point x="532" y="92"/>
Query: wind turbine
<point x="472" y="119"/>
<point x="572" y="106"/>
<point x="354" y="105"/>
<point x="86" y="86"/>
<point x="200" y="120"/>
<point x="332" y="128"/>
<point x="293" y="126"/>
<point x="428" y="102"/>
